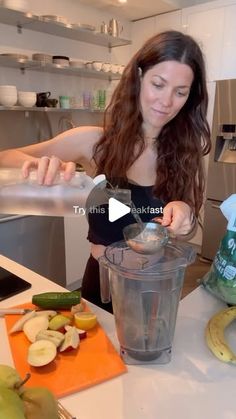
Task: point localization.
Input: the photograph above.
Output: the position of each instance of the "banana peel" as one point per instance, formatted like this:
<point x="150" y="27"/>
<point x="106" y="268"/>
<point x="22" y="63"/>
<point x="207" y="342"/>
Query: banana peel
<point x="215" y="337"/>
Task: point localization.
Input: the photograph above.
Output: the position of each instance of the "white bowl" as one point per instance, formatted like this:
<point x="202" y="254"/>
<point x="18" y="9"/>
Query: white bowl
<point x="8" y="90"/>
<point x="89" y="65"/>
<point x="121" y="69"/>
<point x="27" y="99"/>
<point x="97" y="65"/>
<point x="8" y="100"/>
<point x="106" y="67"/>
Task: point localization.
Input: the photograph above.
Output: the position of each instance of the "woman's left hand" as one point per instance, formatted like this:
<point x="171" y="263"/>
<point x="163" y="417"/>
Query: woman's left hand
<point x="178" y="217"/>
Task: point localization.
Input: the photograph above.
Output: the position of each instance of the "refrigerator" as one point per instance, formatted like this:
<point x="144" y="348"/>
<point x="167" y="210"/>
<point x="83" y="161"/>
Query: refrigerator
<point x="221" y="179"/>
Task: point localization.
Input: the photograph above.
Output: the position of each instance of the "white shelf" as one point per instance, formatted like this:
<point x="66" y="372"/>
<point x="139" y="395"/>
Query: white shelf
<point x="56" y="68"/>
<point x="46" y="109"/>
<point x="36" y="23"/>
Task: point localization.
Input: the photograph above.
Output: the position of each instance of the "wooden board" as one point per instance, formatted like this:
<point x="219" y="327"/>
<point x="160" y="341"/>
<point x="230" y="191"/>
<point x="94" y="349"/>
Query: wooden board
<point x="95" y="361"/>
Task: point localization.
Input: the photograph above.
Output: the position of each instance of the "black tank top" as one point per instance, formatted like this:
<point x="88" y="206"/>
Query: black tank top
<point x="102" y="231"/>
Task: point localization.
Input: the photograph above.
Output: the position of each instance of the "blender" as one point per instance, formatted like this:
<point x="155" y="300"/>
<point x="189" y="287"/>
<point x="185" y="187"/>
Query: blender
<point x="145" y="290"/>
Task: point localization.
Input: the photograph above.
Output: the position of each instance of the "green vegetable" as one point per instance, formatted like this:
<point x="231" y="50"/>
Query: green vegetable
<point x="57" y="300"/>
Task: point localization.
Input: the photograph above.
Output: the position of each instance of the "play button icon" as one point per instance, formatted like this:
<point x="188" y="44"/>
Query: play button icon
<point x="116" y="209"/>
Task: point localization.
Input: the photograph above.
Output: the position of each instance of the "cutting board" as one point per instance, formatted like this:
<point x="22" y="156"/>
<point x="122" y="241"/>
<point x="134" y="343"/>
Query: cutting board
<point x="95" y="361"/>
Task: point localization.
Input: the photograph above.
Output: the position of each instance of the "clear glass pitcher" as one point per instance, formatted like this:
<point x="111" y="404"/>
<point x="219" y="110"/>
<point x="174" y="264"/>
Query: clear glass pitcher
<point x="145" y="292"/>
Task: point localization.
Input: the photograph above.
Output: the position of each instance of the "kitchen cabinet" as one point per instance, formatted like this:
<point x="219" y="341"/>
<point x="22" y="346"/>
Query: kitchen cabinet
<point x="228" y="56"/>
<point x="207" y="28"/>
<point x="35" y="242"/>
<point x="141" y="31"/>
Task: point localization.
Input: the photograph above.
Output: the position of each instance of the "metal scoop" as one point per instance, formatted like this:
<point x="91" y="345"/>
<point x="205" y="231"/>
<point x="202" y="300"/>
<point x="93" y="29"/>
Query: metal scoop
<point x="146" y="239"/>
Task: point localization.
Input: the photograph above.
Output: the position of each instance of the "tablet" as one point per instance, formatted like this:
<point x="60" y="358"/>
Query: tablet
<point x="11" y="284"/>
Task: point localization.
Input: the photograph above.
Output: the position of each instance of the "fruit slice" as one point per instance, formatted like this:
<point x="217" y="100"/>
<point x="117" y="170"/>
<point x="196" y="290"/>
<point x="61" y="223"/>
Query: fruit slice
<point x="71" y="340"/>
<point x="82" y="333"/>
<point x="18" y="325"/>
<point x="33" y="326"/>
<point x="48" y="313"/>
<point x="41" y="352"/>
<point x="59" y="322"/>
<point x="85" y="320"/>
<point x="78" y="307"/>
<point x="52" y="335"/>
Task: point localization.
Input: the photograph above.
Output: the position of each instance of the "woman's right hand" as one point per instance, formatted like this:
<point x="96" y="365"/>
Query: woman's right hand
<point x="48" y="168"/>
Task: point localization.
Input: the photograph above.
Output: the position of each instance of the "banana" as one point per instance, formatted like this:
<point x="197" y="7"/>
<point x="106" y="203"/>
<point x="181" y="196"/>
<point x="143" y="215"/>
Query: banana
<point x="214" y="334"/>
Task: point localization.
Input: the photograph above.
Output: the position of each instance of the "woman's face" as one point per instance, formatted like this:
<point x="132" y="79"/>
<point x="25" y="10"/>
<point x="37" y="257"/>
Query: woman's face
<point x="164" y="90"/>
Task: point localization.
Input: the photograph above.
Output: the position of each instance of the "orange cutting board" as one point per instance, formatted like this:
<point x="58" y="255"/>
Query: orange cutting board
<point x="95" y="361"/>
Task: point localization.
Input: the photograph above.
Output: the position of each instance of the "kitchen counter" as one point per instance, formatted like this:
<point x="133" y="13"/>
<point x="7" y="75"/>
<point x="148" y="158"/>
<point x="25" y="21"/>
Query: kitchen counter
<point x="193" y="385"/>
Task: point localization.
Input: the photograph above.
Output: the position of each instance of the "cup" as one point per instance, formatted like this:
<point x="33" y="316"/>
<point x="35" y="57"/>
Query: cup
<point x="64" y="102"/>
<point x="42" y="99"/>
<point x="101" y="99"/>
<point x="51" y="103"/>
<point x="87" y="100"/>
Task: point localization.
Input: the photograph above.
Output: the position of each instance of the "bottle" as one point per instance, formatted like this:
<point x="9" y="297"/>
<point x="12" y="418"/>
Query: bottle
<point x="25" y="196"/>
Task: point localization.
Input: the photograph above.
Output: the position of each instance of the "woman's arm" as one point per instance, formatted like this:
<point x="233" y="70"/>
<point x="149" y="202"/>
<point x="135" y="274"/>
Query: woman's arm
<point x="75" y="145"/>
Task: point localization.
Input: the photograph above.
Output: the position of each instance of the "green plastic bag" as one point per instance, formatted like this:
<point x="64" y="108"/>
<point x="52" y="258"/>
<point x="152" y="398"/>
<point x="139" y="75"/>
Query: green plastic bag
<point x="221" y="279"/>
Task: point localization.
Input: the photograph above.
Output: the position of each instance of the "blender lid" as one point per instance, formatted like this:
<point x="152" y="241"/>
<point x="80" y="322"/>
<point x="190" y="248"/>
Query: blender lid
<point x="170" y="257"/>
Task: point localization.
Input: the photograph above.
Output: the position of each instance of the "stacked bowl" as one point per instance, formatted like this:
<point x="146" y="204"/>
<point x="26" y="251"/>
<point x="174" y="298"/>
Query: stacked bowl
<point x="8" y="95"/>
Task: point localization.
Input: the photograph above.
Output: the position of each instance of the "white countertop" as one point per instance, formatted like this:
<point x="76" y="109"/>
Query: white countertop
<point x="193" y="385"/>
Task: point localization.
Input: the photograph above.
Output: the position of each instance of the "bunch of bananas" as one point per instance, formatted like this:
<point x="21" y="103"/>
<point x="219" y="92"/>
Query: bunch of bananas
<point x="214" y="334"/>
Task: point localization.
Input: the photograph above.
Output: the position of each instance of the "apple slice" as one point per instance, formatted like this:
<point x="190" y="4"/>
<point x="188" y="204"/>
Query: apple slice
<point x="78" y="307"/>
<point x="53" y="335"/>
<point x="18" y="325"/>
<point x="82" y="333"/>
<point x="48" y="313"/>
<point x="33" y="326"/>
<point x="59" y="322"/>
<point x="71" y="340"/>
<point x="41" y="352"/>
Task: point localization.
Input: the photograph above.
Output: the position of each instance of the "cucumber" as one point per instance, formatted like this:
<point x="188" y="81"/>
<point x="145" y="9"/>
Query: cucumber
<point x="57" y="300"/>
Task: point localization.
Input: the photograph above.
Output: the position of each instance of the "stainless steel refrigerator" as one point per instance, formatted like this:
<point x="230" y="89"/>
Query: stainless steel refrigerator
<point x="221" y="181"/>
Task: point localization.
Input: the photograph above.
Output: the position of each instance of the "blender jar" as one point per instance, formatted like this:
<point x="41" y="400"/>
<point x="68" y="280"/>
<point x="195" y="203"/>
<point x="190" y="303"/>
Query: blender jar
<point x="145" y="292"/>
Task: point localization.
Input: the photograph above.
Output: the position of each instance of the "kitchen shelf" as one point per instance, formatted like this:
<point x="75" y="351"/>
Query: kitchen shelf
<point x="56" y="68"/>
<point x="36" y="23"/>
<point x="46" y="109"/>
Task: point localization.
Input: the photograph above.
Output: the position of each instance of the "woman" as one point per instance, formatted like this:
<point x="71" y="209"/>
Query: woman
<point x="154" y="137"/>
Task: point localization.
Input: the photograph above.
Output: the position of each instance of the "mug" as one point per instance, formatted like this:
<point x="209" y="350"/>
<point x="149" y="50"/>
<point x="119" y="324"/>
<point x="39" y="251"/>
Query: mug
<point x="51" y="103"/>
<point x="42" y="98"/>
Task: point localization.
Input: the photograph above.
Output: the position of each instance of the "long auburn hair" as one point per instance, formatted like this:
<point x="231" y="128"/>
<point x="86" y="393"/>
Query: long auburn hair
<point x="182" y="142"/>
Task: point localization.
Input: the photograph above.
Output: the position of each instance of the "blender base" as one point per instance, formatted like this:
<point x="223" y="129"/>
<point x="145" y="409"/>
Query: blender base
<point x="132" y="357"/>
